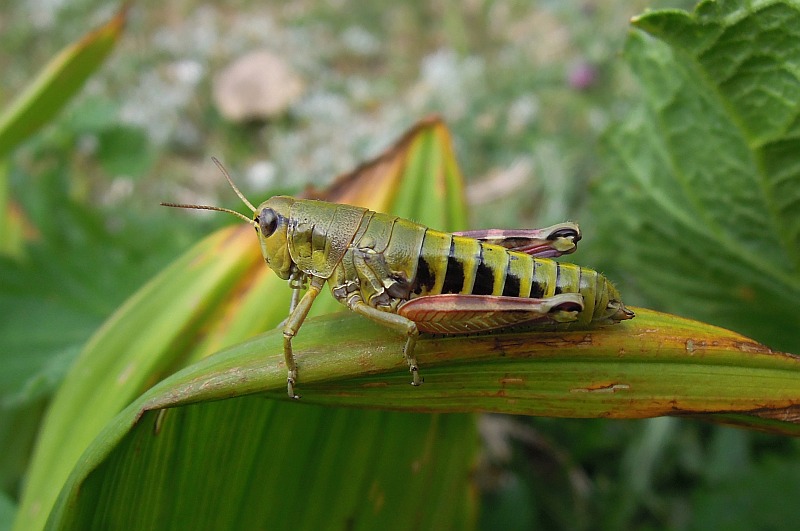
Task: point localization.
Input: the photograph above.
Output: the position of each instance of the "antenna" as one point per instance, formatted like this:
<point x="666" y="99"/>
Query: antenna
<point x="208" y="207"/>
<point x="220" y="209"/>
<point x="230" y="181"/>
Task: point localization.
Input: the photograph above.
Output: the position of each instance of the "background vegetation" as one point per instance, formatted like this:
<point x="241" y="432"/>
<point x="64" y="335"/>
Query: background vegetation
<point x="527" y="91"/>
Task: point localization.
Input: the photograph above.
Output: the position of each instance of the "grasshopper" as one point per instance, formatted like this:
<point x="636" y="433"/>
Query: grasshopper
<point x="413" y="279"/>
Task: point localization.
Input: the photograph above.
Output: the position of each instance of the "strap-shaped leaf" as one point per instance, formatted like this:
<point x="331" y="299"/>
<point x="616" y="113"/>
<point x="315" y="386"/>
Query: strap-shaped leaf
<point x="58" y="82"/>
<point x="653" y="365"/>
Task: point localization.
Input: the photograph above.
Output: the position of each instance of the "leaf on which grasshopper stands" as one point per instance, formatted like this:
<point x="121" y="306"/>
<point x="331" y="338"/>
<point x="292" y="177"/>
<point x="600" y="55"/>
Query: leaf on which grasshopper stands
<point x="653" y="365"/>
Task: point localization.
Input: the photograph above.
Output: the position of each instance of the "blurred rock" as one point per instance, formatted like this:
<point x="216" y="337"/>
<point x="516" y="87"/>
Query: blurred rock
<point x="257" y="86"/>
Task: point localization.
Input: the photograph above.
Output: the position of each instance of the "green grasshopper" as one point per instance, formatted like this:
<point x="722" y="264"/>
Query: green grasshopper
<point x="413" y="279"/>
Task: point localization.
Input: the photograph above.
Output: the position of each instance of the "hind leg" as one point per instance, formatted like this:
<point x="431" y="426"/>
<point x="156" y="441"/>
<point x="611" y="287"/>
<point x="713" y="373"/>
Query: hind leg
<point x="395" y="322"/>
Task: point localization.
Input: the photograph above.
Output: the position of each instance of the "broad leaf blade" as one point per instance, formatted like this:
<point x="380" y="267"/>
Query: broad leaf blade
<point x="134" y="349"/>
<point x="337" y="469"/>
<point x="240" y="299"/>
<point x="702" y="200"/>
<point x="653" y="365"/>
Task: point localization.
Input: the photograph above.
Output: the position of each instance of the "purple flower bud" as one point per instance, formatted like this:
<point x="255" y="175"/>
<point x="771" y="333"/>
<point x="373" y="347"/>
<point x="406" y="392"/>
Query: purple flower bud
<point x="582" y="76"/>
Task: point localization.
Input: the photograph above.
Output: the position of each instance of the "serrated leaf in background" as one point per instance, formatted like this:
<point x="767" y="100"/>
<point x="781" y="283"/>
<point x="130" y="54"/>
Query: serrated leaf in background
<point x="701" y="204"/>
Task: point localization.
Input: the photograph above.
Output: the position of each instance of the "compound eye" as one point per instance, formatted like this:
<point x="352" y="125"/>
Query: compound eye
<point x="267" y="221"/>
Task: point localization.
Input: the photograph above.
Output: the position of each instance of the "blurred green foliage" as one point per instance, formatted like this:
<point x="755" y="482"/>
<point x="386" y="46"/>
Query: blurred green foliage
<point x="527" y="91"/>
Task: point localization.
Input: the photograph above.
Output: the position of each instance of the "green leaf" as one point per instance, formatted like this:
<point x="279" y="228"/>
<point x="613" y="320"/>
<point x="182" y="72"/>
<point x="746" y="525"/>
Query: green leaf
<point x="39" y="103"/>
<point x="753" y="498"/>
<point x="213" y="466"/>
<point x="136" y="347"/>
<point x="11" y="221"/>
<point x="220" y="293"/>
<point x="52" y="284"/>
<point x="653" y="365"/>
<point x="701" y="203"/>
<point x="57" y="83"/>
<point x="7" y="509"/>
<point x="125" y="151"/>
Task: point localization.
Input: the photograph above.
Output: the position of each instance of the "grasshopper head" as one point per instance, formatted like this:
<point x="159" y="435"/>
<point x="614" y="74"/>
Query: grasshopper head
<point x="271" y="220"/>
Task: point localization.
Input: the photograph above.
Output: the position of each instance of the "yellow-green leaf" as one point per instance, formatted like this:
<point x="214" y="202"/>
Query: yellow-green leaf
<point x="654" y="365"/>
<point x="57" y="83"/>
<point x="220" y="293"/>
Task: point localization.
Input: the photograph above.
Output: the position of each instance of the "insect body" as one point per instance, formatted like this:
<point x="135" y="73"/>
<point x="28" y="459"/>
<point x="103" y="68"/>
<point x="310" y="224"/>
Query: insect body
<point x="414" y="279"/>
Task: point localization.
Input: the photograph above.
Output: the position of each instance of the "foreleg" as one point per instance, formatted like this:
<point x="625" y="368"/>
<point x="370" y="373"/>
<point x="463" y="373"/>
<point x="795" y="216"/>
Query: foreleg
<point x="292" y="325"/>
